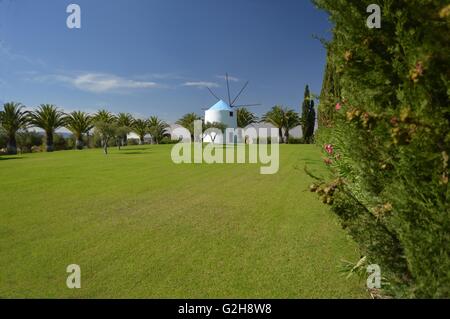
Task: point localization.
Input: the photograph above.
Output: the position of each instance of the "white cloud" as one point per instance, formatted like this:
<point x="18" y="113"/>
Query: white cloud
<point x="7" y="53"/>
<point x="160" y="76"/>
<point x="100" y="82"/>
<point x="230" y="78"/>
<point x="201" y="84"/>
<point x="104" y="82"/>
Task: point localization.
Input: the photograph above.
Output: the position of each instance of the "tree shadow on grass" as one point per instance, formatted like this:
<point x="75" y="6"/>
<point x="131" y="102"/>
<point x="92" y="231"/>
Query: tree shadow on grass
<point x="10" y="158"/>
<point x="124" y="149"/>
<point x="133" y="153"/>
<point x="309" y="160"/>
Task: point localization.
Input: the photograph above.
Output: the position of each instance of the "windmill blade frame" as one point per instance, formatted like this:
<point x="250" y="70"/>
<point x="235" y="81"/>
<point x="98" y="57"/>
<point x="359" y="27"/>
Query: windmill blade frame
<point x="247" y="105"/>
<point x="240" y="92"/>
<point x="228" y="88"/>
<point x="212" y="93"/>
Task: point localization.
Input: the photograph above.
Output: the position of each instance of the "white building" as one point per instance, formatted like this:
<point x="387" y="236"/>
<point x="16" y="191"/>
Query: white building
<point x="221" y="112"/>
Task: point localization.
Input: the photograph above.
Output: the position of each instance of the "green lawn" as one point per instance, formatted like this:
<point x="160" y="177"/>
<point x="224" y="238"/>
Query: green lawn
<point x="142" y="227"/>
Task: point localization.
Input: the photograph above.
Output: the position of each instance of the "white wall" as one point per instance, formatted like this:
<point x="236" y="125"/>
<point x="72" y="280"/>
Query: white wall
<point x="221" y="116"/>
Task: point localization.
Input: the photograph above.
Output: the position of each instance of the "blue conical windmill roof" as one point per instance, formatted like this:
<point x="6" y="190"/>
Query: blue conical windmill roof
<point x="220" y="106"/>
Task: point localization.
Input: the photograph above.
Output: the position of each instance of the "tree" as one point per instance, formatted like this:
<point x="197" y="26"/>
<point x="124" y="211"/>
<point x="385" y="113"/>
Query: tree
<point x="125" y="123"/>
<point x="388" y="139"/>
<point x="104" y="116"/>
<point x="275" y="117"/>
<point x="283" y="119"/>
<point x="121" y="131"/>
<point x="106" y="131"/>
<point x="308" y="116"/>
<point x="157" y="129"/>
<point x="12" y="119"/>
<point x="140" y="127"/>
<point x="49" y="118"/>
<point x="187" y="121"/>
<point x="292" y="120"/>
<point x="245" y="117"/>
<point x="329" y="95"/>
<point x="79" y="123"/>
<point x="214" y="126"/>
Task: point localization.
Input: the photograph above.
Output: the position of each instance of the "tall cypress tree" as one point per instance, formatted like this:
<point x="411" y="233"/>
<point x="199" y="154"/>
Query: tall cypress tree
<point x="330" y="93"/>
<point x="308" y="116"/>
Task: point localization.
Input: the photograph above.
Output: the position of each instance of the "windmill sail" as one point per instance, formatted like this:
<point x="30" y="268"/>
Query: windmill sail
<point x="228" y="88"/>
<point x="231" y="102"/>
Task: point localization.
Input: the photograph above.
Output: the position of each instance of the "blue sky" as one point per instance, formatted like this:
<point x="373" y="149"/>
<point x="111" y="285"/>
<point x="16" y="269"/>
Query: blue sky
<point x="154" y="57"/>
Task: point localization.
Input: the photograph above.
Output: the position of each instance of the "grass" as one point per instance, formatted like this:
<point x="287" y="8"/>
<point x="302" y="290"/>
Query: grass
<point x="140" y="226"/>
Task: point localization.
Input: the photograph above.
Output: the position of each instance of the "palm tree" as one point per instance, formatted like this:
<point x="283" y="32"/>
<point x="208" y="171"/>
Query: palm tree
<point x="79" y="123"/>
<point x="275" y="117"/>
<point x="49" y="118"/>
<point x="282" y="118"/>
<point x="124" y="122"/>
<point x="140" y="127"/>
<point x="157" y="128"/>
<point x="104" y="116"/>
<point x="187" y="121"/>
<point x="12" y="119"/>
<point x="245" y="117"/>
<point x="292" y="120"/>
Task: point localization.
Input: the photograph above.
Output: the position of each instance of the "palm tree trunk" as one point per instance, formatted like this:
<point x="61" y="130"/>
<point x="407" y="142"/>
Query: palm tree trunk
<point x="286" y="136"/>
<point x="141" y="140"/>
<point x="79" y="143"/>
<point x="11" y="146"/>
<point x="280" y="133"/>
<point x="49" y="142"/>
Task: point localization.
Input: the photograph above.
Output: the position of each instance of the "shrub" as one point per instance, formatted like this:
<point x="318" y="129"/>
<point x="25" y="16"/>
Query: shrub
<point x="60" y="143"/>
<point x="264" y="140"/>
<point x="132" y="141"/>
<point x="71" y="143"/>
<point x="169" y="140"/>
<point x="294" y="140"/>
<point x="26" y="140"/>
<point x="3" y="139"/>
<point x="37" y="149"/>
<point x="386" y="130"/>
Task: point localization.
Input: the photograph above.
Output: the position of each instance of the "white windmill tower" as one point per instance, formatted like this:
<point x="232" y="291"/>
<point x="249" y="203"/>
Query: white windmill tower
<point x="222" y="112"/>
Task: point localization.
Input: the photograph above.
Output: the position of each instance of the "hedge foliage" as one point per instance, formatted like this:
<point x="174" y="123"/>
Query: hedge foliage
<point x="385" y="126"/>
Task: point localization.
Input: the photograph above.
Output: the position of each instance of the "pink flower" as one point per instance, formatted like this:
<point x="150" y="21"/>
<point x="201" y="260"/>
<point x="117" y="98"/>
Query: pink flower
<point x="329" y="149"/>
<point x="394" y="121"/>
<point x="338" y="106"/>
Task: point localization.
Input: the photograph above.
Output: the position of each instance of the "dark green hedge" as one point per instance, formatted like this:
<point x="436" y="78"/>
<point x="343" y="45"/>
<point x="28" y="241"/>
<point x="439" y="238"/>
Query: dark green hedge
<point x="385" y="126"/>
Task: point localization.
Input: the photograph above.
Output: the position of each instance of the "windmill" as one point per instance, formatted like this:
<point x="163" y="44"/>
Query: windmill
<point x="223" y="112"/>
